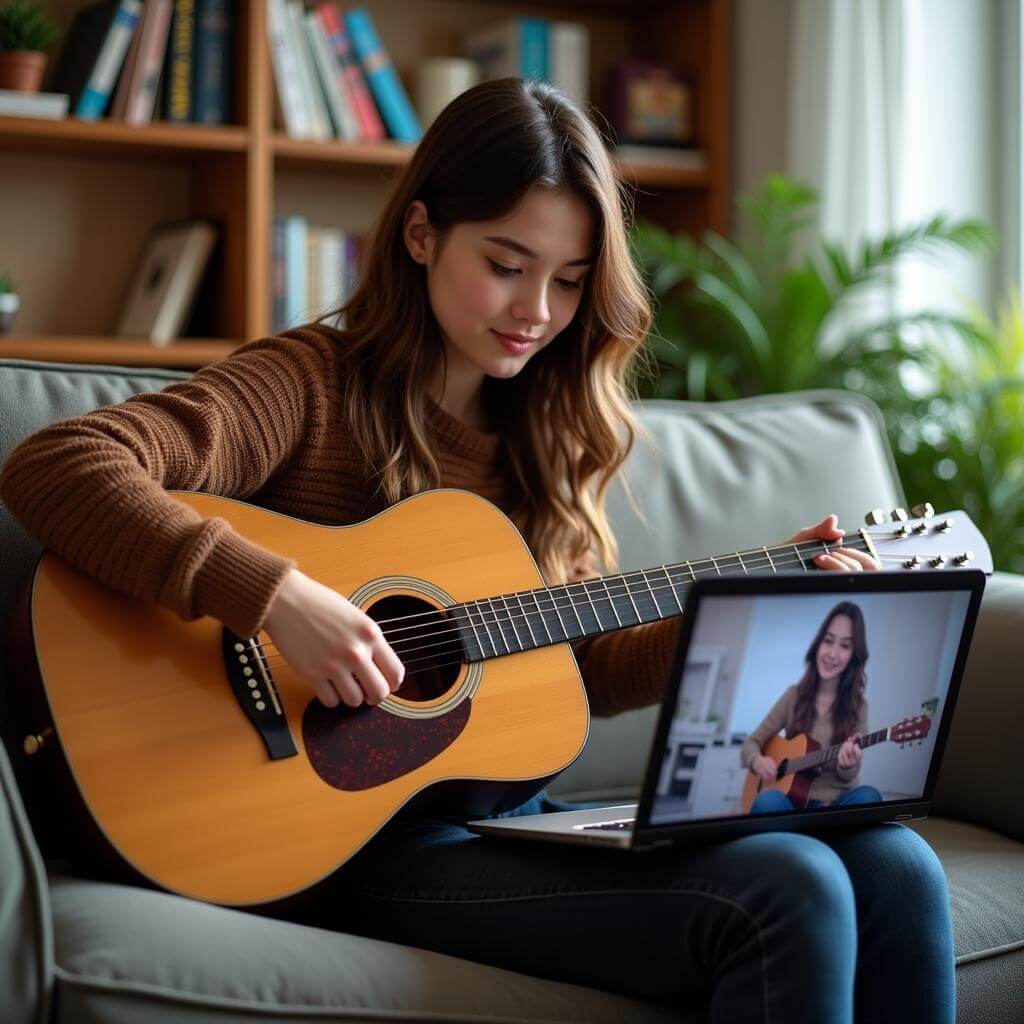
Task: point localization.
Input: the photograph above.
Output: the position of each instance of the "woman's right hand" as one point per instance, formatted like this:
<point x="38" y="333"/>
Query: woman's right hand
<point x="765" y="768"/>
<point x="333" y="645"/>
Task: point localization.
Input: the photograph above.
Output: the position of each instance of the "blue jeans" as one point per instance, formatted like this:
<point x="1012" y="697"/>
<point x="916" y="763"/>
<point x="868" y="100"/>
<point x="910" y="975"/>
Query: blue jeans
<point x="772" y="800"/>
<point x="850" y="924"/>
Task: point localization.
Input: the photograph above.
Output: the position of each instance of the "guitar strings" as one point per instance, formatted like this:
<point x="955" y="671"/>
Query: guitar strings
<point x="452" y="631"/>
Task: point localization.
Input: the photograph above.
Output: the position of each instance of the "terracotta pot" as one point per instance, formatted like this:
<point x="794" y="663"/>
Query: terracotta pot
<point x="22" y="70"/>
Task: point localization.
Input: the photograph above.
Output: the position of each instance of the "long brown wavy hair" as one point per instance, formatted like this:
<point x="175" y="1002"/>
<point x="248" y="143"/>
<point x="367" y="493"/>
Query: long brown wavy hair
<point x="565" y="420"/>
<point x="850" y="691"/>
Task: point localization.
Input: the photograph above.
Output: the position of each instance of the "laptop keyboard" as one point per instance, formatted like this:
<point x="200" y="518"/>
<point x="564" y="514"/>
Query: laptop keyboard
<point x="620" y="823"/>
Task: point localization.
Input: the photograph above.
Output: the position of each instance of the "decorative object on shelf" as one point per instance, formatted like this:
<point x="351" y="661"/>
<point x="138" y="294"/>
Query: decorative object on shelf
<point x="9" y="303"/>
<point x="439" y="80"/>
<point x="25" y="32"/>
<point x="651" y="104"/>
<point x="165" y="287"/>
<point x="94" y="52"/>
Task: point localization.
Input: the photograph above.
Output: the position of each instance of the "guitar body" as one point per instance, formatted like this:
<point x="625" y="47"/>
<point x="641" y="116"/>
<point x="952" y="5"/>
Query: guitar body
<point x="178" y="781"/>
<point x="796" y="785"/>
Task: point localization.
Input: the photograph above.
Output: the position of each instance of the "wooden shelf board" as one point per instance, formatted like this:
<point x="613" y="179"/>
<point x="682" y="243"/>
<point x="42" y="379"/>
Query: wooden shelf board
<point x="368" y="155"/>
<point x="189" y="353"/>
<point x="107" y="138"/>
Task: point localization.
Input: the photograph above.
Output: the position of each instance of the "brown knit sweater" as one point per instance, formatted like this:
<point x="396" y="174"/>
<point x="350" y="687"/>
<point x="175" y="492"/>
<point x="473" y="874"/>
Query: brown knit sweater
<point x="263" y="425"/>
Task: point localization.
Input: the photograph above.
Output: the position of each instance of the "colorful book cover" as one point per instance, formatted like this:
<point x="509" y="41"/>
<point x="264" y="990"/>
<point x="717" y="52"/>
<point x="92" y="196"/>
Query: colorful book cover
<point x="94" y="99"/>
<point x="392" y="99"/>
<point x="371" y="127"/>
<point x="178" y="78"/>
<point x="213" y="62"/>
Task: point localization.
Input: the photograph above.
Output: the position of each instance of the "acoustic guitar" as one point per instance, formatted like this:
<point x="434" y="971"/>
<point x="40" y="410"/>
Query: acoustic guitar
<point x="197" y="761"/>
<point x="802" y="758"/>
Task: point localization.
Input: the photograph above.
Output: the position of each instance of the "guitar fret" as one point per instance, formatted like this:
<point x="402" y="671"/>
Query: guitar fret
<point x="592" y="610"/>
<point x="543" y="622"/>
<point x="497" y="622"/>
<point x="611" y="601"/>
<point x="558" y="612"/>
<point x="487" y="629"/>
<point x="526" y="619"/>
<point x="572" y="604"/>
<point x="770" y="562"/>
<point x="629" y="594"/>
<point x="672" y="588"/>
<point x="715" y="564"/>
<point x="739" y="558"/>
<point x="803" y="564"/>
<point x="476" y="635"/>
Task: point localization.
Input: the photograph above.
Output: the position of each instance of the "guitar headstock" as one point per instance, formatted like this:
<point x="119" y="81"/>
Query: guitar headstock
<point x="924" y="541"/>
<point x="910" y="729"/>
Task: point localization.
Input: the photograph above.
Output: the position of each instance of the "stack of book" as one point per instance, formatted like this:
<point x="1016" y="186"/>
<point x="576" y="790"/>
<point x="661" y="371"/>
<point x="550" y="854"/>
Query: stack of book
<point x="334" y="78"/>
<point x="551" y="51"/>
<point x="136" y="62"/>
<point x="315" y="270"/>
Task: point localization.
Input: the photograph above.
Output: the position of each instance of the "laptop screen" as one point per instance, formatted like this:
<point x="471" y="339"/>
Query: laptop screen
<point x="805" y="701"/>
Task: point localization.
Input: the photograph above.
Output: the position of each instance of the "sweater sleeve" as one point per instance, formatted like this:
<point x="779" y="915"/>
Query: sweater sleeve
<point x="92" y="488"/>
<point x="774" y="722"/>
<point x="626" y="669"/>
<point x="848" y="776"/>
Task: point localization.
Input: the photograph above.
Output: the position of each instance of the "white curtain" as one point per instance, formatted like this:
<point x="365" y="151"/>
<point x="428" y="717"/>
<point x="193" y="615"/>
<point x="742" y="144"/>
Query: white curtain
<point x="899" y="110"/>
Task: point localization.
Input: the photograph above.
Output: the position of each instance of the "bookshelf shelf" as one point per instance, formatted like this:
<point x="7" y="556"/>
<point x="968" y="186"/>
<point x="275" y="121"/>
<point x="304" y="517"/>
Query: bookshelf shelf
<point x="188" y="353"/>
<point x="242" y="176"/>
<point x="113" y="138"/>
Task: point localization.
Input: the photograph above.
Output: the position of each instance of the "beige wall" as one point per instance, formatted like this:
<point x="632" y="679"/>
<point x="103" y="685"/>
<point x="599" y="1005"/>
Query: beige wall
<point x="760" y="89"/>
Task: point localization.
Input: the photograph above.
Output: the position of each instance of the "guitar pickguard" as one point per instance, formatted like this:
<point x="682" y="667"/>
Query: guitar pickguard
<point x="359" y="748"/>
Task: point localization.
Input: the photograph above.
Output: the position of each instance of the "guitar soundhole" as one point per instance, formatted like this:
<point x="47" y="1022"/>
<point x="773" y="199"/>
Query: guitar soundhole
<point x="425" y="639"/>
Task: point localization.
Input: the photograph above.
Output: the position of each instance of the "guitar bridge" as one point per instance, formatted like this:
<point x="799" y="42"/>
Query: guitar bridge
<point x="257" y="696"/>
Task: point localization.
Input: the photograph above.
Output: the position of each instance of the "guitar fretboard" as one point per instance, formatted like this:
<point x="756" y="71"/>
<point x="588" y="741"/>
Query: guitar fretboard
<point x="828" y="754"/>
<point x="510" y="623"/>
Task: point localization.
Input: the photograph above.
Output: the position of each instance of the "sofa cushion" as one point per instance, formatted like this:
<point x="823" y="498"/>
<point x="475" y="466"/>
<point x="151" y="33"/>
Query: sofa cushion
<point x="985" y="872"/>
<point x="127" y="955"/>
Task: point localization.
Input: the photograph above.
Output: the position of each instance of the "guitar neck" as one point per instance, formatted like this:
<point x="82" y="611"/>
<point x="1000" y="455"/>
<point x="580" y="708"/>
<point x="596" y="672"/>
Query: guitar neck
<point x="493" y="627"/>
<point x="827" y="754"/>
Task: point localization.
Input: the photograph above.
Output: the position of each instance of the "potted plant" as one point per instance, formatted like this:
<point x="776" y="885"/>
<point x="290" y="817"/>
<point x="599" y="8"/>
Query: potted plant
<point x="25" y="32"/>
<point x="9" y="303"/>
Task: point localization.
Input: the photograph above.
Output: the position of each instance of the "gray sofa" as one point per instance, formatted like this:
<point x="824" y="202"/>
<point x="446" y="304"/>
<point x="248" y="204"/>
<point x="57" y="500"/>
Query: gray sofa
<point x="717" y="478"/>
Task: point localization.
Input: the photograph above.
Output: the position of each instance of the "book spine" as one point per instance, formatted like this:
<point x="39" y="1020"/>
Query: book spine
<point x="569" y="60"/>
<point x="296" y="272"/>
<point x="308" y="82"/>
<point x="333" y="79"/>
<point x="533" y="51"/>
<point x="212" y="83"/>
<point x="178" y="87"/>
<point x="371" y="127"/>
<point x="94" y="99"/>
<point x="313" y="273"/>
<point x="391" y="97"/>
<point x="279" y="281"/>
<point x="142" y="98"/>
<point x="120" y="101"/>
<point x="286" y="72"/>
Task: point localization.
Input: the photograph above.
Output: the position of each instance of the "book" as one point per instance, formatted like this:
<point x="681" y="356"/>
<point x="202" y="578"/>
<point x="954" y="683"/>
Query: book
<point x="94" y="52"/>
<point x="136" y="88"/>
<point x="309" y="83"/>
<point x="297" y="121"/>
<point x="296" y="273"/>
<point x="278" y="283"/>
<point x="569" y="60"/>
<point x="371" y="127"/>
<point x="511" y="48"/>
<point x="164" y="289"/>
<point x="331" y="79"/>
<point x="212" y="69"/>
<point x="178" y="68"/>
<point x="689" y="158"/>
<point x="388" y="92"/>
<point x="14" y="103"/>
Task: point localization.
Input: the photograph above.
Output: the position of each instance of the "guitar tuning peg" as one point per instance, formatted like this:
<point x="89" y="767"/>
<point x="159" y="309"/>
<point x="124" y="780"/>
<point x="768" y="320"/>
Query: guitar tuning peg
<point x="875" y="517"/>
<point x="899" y="515"/>
<point x="924" y="510"/>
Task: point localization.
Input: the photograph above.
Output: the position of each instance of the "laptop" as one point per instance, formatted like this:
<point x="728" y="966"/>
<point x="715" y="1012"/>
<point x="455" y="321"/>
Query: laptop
<point x="751" y="647"/>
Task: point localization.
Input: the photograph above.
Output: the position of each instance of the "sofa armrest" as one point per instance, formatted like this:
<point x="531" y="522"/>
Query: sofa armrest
<point x="981" y="768"/>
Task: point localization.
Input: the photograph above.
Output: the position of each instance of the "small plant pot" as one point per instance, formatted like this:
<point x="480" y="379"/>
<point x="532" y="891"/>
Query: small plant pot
<point x="22" y="70"/>
<point x="9" y="305"/>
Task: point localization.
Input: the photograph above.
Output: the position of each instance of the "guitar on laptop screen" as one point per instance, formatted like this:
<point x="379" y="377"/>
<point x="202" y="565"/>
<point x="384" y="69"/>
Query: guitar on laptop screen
<point x="197" y="761"/>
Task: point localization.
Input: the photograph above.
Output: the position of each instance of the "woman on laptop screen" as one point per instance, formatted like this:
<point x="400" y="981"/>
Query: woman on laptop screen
<point x="828" y="706"/>
<point x="489" y="347"/>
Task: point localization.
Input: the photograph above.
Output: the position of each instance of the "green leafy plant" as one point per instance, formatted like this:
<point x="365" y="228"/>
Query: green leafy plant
<point x="960" y="439"/>
<point x="7" y="285"/>
<point x="734" y="320"/>
<point x="24" y="26"/>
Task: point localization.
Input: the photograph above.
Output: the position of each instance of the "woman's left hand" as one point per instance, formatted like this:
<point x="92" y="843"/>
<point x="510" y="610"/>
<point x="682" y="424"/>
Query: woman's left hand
<point x="850" y="753"/>
<point x="840" y="559"/>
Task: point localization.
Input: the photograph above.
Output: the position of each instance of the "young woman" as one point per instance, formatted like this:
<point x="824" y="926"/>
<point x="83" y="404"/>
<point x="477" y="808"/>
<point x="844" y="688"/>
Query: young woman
<point x="828" y="704"/>
<point x="487" y="348"/>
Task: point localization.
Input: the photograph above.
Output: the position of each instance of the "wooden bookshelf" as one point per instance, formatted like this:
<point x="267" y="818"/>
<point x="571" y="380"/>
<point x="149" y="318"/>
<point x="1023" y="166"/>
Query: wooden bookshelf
<point x="243" y="174"/>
